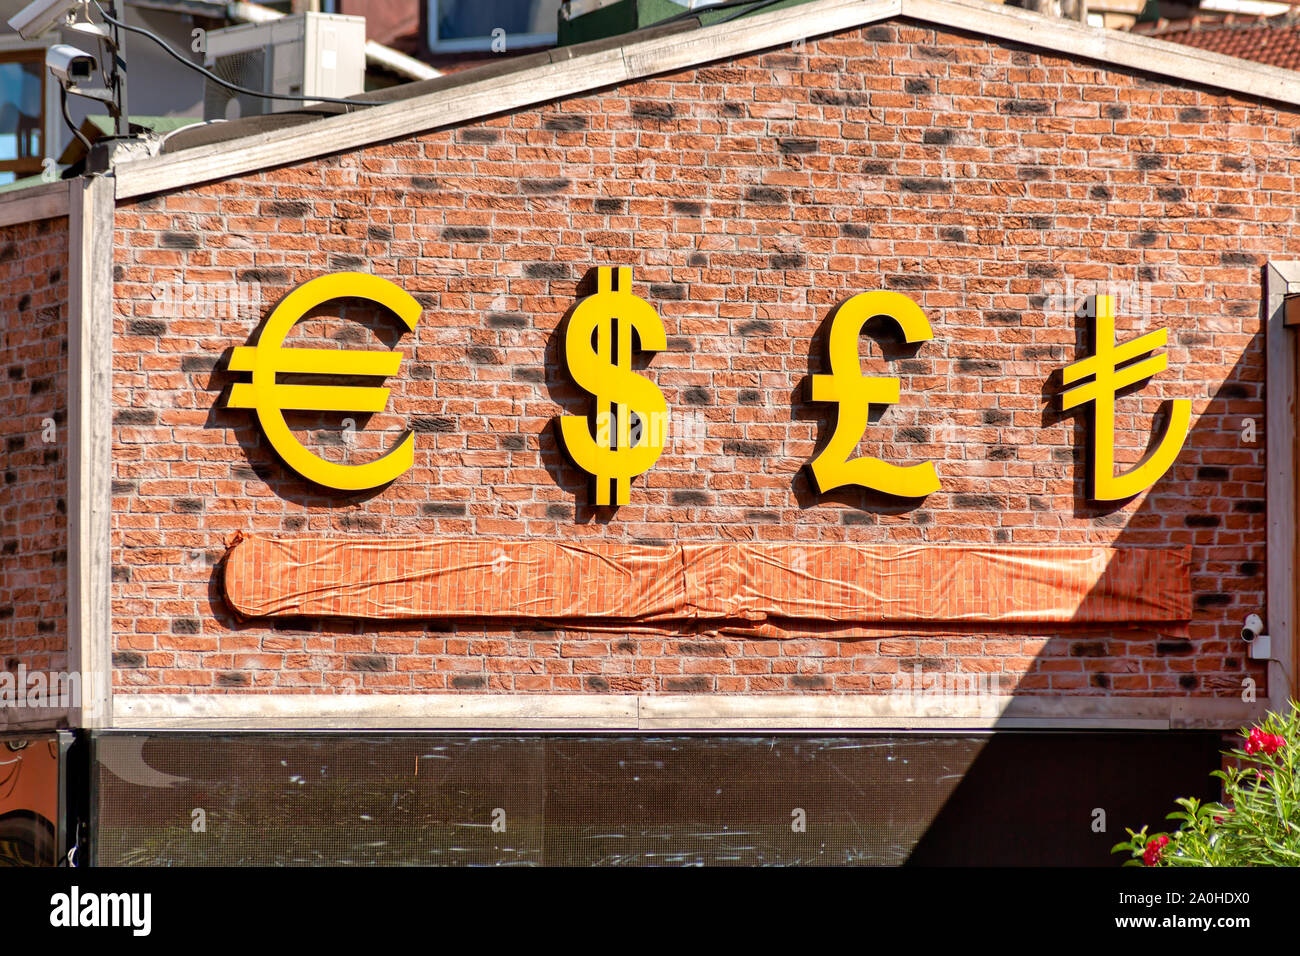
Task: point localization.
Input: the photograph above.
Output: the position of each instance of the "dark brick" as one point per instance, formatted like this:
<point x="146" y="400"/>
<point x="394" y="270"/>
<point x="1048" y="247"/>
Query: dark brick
<point x="925" y="184"/>
<point x="652" y="110"/>
<point x="1088" y="649"/>
<point x="544" y="186"/>
<point x="289" y="209"/>
<point x="746" y="449"/>
<point x="565" y="123"/>
<point x="179" y="240"/>
<point x="809" y="682"/>
<point x="667" y="292"/>
<point x="152" y="328"/>
<point x="546" y="270"/>
<point x="990" y="502"/>
<point x="797" y="147"/>
<point x="465" y="233"/>
<point x="1027" y="107"/>
<point x="688" y="685"/>
<point x="434" y="423"/>
<point x="686" y="497"/>
<point x="135" y="416"/>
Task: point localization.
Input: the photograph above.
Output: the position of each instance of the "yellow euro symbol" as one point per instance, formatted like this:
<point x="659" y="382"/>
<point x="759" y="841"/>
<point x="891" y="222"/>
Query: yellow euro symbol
<point x="855" y="393"/>
<point x="270" y="399"/>
<point x="1107" y="379"/>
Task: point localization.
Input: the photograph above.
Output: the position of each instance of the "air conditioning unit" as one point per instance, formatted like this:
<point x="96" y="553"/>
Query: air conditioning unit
<point x="311" y="54"/>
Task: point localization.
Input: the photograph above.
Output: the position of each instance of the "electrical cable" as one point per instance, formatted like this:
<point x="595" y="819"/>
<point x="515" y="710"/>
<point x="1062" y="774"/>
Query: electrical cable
<point x="754" y="9"/>
<point x="63" y="103"/>
<point x="216" y="79"/>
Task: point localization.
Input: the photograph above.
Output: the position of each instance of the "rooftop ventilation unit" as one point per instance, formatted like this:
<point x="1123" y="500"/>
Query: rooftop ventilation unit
<point x="311" y="54"/>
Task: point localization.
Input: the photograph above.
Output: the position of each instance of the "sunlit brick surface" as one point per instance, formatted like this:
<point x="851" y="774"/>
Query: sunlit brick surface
<point x="989" y="182"/>
<point x="33" y="423"/>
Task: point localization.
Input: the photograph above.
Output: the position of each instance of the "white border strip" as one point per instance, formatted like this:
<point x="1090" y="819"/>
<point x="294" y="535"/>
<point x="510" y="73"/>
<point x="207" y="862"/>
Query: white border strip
<point x="571" y="76"/>
<point x="90" y="444"/>
<point x="1280" y="423"/>
<point x="650" y="712"/>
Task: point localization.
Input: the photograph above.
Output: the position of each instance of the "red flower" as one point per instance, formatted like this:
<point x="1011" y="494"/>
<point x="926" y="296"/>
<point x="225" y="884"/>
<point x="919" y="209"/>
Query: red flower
<point x="1152" y="855"/>
<point x="1260" y="742"/>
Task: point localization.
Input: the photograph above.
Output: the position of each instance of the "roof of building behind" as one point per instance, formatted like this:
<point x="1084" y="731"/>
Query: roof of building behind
<point x="1273" y="40"/>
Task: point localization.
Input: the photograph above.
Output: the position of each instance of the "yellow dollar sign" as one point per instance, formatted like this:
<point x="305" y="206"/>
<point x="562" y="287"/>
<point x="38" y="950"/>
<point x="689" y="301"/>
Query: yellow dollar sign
<point x="619" y="449"/>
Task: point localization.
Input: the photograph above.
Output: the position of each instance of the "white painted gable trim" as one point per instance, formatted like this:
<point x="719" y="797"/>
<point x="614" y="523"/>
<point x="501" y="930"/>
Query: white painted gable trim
<point x="581" y="74"/>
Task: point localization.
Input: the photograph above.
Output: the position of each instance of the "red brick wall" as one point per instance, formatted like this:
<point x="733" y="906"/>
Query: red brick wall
<point x="749" y="198"/>
<point x="33" y="443"/>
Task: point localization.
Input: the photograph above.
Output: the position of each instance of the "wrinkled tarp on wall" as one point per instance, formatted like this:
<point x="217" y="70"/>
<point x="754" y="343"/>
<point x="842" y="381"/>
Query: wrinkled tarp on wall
<point x="382" y="578"/>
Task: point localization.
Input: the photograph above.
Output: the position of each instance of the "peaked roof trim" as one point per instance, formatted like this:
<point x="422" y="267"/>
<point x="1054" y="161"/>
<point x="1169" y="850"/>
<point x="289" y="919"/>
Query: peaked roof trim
<point x="564" y="77"/>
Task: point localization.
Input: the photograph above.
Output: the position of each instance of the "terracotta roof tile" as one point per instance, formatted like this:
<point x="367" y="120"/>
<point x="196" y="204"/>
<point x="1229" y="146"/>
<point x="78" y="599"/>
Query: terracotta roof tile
<point x="1273" y="40"/>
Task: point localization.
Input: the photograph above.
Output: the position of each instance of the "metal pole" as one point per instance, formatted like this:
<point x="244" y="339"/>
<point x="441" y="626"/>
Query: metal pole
<point x="122" y="119"/>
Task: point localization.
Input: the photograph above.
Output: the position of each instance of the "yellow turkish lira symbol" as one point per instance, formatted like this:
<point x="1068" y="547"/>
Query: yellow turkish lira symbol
<point x="855" y="393"/>
<point x="631" y="415"/>
<point x="1107" y="379"/>
<point x="270" y="399"/>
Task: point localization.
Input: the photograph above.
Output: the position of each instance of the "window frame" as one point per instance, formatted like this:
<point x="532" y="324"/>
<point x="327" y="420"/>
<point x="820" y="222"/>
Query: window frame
<point x="30" y="166"/>
<point x="13" y="47"/>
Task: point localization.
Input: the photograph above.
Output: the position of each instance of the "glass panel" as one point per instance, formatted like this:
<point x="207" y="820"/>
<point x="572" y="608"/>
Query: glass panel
<point x="621" y="800"/>
<point x="472" y="19"/>
<point x="21" y="125"/>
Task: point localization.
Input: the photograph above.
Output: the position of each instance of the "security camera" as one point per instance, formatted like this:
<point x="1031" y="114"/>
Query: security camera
<point x="37" y="19"/>
<point x="68" y="64"/>
<point x="1252" y="629"/>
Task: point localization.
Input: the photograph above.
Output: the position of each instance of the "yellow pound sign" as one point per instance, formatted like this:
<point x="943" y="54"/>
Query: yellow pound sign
<point x="855" y="393"/>
<point x="1107" y="379"/>
<point x="269" y="357"/>
<point x="621" y="448"/>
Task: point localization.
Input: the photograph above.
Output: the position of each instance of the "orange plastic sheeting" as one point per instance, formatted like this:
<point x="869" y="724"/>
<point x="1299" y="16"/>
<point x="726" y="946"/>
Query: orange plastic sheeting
<point x="419" y="579"/>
